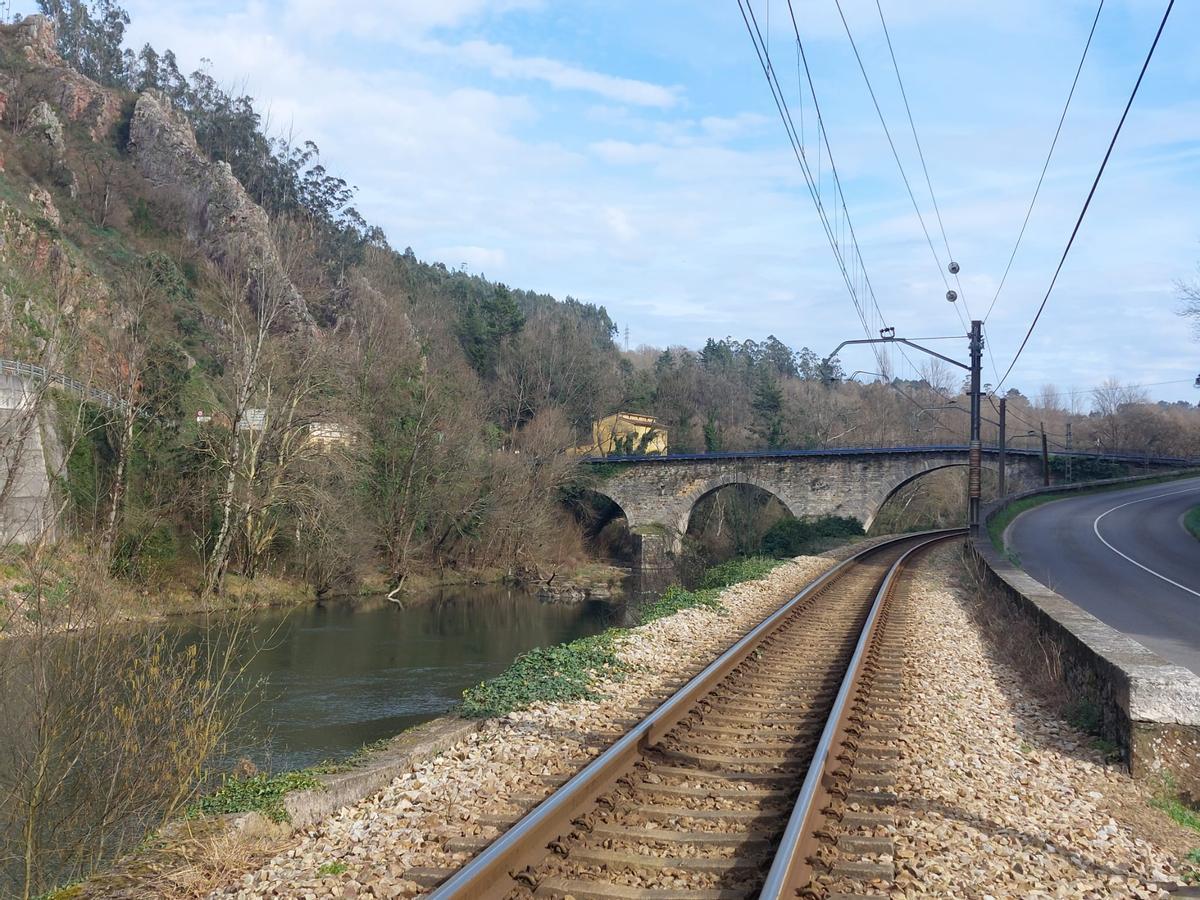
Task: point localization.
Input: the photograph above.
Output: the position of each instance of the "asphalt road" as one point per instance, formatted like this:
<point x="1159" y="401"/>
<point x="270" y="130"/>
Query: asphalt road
<point x="1126" y="558"/>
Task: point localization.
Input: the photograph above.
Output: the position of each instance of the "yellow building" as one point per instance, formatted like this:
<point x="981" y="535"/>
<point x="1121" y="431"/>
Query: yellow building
<point x="626" y="433"/>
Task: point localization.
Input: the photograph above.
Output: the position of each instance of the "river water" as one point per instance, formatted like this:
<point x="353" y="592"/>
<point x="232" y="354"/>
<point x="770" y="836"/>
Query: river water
<point x="334" y="677"/>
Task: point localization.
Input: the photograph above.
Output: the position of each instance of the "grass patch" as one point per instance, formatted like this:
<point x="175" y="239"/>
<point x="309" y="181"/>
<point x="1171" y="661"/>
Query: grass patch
<point x="1084" y="715"/>
<point x="568" y="671"/>
<point x="1191" y="521"/>
<point x="563" y="672"/>
<point x="804" y="536"/>
<point x="1167" y="799"/>
<point x="332" y="868"/>
<point x="997" y="523"/>
<point x="744" y="568"/>
<point x="258" y="793"/>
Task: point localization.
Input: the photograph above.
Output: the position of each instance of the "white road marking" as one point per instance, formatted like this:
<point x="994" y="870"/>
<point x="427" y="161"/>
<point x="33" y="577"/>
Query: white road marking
<point x="1127" y="557"/>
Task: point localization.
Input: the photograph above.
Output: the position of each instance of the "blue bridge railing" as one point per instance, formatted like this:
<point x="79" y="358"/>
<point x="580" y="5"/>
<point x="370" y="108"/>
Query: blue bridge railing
<point x="1139" y="459"/>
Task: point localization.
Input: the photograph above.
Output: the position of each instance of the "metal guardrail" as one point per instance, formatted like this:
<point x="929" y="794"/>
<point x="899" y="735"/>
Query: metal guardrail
<point x="39" y="373"/>
<point x="878" y="451"/>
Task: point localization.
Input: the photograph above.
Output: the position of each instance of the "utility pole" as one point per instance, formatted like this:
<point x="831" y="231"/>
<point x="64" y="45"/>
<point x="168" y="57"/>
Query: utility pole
<point x="1003" y="419"/>
<point x="975" y="451"/>
<point x="1067" y="458"/>
<point x="1045" y="457"/>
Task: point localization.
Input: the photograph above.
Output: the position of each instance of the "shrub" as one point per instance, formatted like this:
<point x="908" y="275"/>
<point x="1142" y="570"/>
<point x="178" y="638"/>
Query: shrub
<point x="792" y="537"/>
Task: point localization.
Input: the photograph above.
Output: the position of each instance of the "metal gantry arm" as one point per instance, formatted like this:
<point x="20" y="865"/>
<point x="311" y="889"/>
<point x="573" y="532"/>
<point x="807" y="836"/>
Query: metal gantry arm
<point x="975" y="454"/>
<point x="896" y="340"/>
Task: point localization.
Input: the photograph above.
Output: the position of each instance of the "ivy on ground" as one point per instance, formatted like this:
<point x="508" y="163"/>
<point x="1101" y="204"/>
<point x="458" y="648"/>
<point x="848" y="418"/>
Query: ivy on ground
<point x="562" y="672"/>
<point x="569" y="671"/>
<point x="258" y="793"/>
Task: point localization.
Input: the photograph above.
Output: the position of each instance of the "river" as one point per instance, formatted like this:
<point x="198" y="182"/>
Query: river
<point x="332" y="678"/>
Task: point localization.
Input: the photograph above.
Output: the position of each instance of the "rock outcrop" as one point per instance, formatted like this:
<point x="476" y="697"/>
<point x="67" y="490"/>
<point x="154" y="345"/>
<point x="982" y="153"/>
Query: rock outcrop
<point x="232" y="229"/>
<point x="75" y="96"/>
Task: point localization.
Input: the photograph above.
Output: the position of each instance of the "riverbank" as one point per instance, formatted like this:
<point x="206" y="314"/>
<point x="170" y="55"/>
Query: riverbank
<point x="171" y="595"/>
<point x="432" y="801"/>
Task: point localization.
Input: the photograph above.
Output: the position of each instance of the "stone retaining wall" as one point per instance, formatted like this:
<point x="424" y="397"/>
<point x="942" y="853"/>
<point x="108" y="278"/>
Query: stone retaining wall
<point x="1147" y="705"/>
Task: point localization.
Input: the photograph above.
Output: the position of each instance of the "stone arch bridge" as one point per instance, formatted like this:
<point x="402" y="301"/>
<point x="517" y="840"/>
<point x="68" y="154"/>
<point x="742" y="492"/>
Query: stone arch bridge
<point x="658" y="493"/>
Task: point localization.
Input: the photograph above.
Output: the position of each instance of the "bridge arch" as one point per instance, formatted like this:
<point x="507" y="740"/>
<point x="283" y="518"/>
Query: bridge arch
<point x="916" y="476"/>
<point x="712" y="485"/>
<point x="594" y="510"/>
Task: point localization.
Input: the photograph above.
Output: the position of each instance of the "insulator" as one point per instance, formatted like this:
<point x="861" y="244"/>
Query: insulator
<point x="953" y="268"/>
<point x="951" y="295"/>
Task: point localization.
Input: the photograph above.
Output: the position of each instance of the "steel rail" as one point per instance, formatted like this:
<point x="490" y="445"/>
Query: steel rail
<point x="790" y="870"/>
<point x="492" y="872"/>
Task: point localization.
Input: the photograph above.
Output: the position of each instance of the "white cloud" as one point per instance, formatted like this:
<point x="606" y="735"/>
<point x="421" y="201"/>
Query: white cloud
<point x="476" y="259"/>
<point x="680" y="207"/>
<point x="501" y="62"/>
<point x="377" y="19"/>
<point x="619" y="224"/>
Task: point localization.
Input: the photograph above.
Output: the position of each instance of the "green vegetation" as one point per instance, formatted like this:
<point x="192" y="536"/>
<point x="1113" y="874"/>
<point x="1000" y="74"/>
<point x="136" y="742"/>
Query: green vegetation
<point x="1084" y="715"/>
<point x="258" y="793"/>
<point x="568" y="671"/>
<point x="332" y="868"/>
<point x="745" y="568"/>
<point x="796" y="537"/>
<point x="563" y="672"/>
<point x="1167" y="799"/>
<point x="1191" y="521"/>
<point x="1191" y="872"/>
<point x="676" y="598"/>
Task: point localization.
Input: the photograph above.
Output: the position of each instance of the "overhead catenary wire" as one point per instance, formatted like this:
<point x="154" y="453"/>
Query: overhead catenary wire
<point x="892" y="144"/>
<point x="1045" y="165"/>
<point x="823" y="140"/>
<point x="920" y="150"/>
<point x="814" y="184"/>
<point x="1091" y="193"/>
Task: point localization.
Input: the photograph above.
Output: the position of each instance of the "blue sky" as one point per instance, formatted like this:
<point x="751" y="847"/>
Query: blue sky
<point x="628" y="153"/>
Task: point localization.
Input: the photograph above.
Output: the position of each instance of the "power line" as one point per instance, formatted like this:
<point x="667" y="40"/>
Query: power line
<point x="920" y="151"/>
<point x="1091" y="194"/>
<point x="1046" y="165"/>
<point x="832" y="232"/>
<point x="895" y="154"/>
<point x="1126" y="387"/>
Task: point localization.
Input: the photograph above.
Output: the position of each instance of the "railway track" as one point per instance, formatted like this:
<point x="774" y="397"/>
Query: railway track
<point x="765" y="775"/>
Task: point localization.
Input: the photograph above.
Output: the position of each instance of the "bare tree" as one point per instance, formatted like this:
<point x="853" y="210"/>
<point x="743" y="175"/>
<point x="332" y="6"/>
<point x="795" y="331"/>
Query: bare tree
<point x="249" y="330"/>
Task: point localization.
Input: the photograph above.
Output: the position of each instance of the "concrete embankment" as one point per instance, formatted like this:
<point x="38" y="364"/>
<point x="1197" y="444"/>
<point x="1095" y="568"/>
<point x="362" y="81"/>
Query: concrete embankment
<point x="1146" y="705"/>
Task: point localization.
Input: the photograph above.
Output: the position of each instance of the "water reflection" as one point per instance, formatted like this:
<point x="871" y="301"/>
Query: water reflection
<point x="339" y="676"/>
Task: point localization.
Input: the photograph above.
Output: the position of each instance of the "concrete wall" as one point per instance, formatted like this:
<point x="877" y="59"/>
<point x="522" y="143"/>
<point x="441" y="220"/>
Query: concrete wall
<point x="24" y="484"/>
<point x="1148" y="706"/>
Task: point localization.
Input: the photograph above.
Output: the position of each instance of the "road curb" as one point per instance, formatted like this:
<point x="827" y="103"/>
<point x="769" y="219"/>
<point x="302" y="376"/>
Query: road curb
<point x="1147" y="705"/>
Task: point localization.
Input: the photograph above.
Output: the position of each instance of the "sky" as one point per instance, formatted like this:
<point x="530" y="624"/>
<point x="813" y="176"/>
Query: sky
<point x="629" y="153"/>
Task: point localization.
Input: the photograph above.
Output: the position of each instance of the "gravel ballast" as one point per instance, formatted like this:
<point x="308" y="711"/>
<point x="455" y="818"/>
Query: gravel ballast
<point x="999" y="797"/>
<point x="430" y="816"/>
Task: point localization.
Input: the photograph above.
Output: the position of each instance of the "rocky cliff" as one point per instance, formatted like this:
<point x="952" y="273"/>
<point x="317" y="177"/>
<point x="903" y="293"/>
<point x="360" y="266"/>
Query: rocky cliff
<point x="233" y="231"/>
<point x="38" y="92"/>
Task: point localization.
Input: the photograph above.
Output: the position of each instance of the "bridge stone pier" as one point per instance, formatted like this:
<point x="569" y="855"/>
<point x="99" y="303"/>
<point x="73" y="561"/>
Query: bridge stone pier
<point x="658" y="494"/>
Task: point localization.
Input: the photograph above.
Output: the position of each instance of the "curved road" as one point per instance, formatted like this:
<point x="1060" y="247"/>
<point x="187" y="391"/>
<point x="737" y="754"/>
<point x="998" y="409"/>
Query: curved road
<point x="1126" y="558"/>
